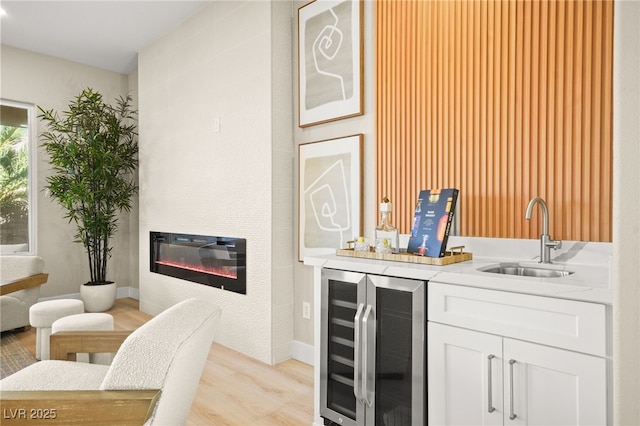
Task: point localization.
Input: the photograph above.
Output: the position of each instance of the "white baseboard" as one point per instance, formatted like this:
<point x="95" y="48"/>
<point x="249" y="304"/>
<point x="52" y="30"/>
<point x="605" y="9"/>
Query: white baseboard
<point x="132" y="292"/>
<point x="122" y="293"/>
<point x="302" y="352"/>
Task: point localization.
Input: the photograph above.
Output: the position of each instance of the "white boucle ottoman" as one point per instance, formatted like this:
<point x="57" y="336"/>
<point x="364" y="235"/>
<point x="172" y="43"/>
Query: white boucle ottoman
<point x="91" y="322"/>
<point x="42" y="315"/>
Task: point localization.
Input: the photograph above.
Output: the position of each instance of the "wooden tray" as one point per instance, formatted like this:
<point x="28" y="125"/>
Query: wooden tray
<point x="451" y="256"/>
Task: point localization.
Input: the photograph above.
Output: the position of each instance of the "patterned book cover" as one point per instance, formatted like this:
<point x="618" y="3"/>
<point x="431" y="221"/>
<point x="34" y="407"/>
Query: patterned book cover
<point x="432" y="222"/>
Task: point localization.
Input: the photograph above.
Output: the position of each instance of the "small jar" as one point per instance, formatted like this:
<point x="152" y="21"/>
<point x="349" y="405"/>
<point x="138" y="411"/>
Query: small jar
<point x="361" y="244"/>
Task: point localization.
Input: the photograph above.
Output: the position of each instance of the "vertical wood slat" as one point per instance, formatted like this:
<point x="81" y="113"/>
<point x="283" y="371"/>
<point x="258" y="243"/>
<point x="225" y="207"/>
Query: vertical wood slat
<point x="505" y="100"/>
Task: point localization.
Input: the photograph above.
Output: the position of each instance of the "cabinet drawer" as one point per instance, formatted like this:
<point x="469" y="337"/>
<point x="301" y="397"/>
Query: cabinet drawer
<point x="578" y="326"/>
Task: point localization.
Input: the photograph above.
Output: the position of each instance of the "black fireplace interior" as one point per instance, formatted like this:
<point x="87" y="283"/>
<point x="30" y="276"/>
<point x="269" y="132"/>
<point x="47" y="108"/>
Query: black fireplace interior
<point x="214" y="261"/>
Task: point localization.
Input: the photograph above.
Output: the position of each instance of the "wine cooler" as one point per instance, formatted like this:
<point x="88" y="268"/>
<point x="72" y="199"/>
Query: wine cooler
<point x="373" y="337"/>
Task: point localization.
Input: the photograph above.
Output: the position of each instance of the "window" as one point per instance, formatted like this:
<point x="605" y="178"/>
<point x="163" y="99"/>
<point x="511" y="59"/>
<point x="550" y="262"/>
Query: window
<point x="17" y="178"/>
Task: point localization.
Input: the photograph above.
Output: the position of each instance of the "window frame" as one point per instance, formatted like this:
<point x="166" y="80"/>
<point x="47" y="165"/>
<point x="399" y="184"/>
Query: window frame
<point x="32" y="179"/>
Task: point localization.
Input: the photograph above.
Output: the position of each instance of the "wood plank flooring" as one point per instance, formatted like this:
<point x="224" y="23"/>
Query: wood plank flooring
<point x="235" y="390"/>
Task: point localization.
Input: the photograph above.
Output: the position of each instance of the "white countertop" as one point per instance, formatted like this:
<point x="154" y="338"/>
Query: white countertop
<point x="590" y="281"/>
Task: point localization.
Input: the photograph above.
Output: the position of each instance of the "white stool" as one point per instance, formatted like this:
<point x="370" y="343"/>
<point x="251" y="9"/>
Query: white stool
<point x="91" y="322"/>
<point x="43" y="314"/>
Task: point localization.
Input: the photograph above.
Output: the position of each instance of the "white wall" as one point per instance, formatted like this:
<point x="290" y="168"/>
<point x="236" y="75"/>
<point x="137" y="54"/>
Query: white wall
<point x="282" y="172"/>
<point x="626" y="222"/>
<point x="51" y="83"/>
<point x="228" y="61"/>
<point x="365" y="124"/>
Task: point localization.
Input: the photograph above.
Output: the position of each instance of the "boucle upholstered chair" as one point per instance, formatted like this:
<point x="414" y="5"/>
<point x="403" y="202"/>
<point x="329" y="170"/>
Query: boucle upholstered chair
<point x="167" y="354"/>
<point x="19" y="272"/>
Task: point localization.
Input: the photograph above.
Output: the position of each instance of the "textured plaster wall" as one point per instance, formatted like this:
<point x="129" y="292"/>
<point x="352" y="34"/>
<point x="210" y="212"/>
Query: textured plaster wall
<point x="51" y="83"/>
<point x="236" y="182"/>
<point x="626" y="225"/>
<point x="283" y="174"/>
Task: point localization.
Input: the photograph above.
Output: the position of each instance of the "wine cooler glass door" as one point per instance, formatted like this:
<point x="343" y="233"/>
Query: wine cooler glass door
<point x="373" y="335"/>
<point x="396" y="370"/>
<point x="343" y="297"/>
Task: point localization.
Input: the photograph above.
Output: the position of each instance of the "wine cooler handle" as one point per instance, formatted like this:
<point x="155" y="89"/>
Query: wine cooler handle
<point x="357" y="371"/>
<point x="512" y="414"/>
<point x="491" y="408"/>
<point x="369" y="347"/>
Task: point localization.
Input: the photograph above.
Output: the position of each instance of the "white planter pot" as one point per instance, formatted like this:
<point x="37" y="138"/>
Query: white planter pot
<point x="98" y="298"/>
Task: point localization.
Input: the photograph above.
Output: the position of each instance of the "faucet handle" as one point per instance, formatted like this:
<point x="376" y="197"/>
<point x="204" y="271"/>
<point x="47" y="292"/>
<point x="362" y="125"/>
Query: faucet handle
<point x="554" y="244"/>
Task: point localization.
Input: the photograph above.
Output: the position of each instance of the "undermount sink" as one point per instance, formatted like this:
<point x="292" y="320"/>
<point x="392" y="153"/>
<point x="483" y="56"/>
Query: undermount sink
<point x="527" y="271"/>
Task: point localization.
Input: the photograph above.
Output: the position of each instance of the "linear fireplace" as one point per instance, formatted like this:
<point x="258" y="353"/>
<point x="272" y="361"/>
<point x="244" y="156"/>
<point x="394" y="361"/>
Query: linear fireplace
<point x="214" y="261"/>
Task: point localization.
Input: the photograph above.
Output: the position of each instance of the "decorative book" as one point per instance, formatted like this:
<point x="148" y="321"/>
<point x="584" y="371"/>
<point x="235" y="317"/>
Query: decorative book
<point x="432" y="222"/>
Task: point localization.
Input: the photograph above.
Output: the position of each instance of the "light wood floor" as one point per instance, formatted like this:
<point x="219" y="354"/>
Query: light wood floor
<point x="234" y="390"/>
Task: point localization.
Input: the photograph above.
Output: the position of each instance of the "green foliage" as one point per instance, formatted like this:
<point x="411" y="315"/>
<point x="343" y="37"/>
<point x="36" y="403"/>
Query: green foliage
<point x="93" y="154"/>
<point x="14" y="183"/>
<point x="14" y="166"/>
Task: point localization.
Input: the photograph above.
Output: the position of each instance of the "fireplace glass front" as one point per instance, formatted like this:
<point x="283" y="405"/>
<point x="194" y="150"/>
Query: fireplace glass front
<point x="214" y="261"/>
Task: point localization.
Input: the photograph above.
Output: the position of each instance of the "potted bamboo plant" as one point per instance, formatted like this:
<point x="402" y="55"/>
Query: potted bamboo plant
<point x="93" y="152"/>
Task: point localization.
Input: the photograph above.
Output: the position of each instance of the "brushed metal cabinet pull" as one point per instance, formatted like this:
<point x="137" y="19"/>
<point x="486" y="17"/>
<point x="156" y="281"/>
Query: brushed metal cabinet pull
<point x="368" y="345"/>
<point x="356" y="353"/>
<point x="490" y="407"/>
<point x="512" y="414"/>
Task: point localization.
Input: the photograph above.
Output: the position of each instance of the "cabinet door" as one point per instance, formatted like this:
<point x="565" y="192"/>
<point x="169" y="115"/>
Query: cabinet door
<point x="393" y="365"/>
<point x="549" y="386"/>
<point x="342" y="293"/>
<point x="464" y="376"/>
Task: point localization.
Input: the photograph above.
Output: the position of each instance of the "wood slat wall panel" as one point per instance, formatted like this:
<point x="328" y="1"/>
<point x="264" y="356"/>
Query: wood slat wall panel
<point x="503" y="99"/>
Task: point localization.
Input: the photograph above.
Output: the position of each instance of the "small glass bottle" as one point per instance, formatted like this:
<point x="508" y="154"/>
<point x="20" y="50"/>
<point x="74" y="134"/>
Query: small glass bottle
<point x="387" y="235"/>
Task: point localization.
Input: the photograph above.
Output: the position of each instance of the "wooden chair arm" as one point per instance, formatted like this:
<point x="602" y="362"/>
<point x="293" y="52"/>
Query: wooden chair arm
<point x="64" y="345"/>
<point x="81" y="407"/>
<point x="23" y="283"/>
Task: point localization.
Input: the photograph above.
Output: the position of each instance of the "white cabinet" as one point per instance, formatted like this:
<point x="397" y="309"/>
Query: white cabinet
<point x="553" y="386"/>
<point x="458" y="377"/>
<point x="482" y="372"/>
